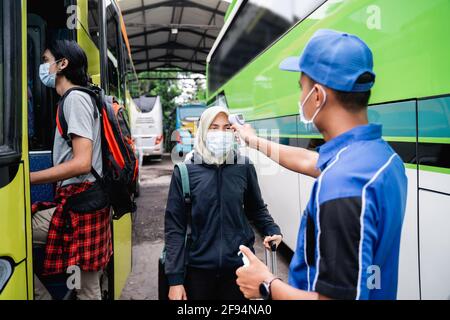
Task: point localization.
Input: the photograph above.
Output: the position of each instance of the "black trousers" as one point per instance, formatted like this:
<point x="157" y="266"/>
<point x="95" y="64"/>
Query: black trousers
<point x="204" y="284"/>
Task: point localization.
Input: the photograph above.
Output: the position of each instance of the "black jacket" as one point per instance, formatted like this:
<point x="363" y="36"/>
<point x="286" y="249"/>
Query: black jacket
<point x="224" y="199"/>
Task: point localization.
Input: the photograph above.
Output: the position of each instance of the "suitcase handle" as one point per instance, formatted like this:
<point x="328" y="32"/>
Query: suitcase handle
<point x="273" y="258"/>
<point x="273" y="245"/>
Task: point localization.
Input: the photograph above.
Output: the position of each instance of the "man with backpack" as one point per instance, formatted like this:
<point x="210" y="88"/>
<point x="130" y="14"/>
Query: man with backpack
<point x="75" y="229"/>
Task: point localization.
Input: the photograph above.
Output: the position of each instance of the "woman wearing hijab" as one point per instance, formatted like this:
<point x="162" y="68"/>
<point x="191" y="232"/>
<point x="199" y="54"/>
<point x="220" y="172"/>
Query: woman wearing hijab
<point x="225" y="196"/>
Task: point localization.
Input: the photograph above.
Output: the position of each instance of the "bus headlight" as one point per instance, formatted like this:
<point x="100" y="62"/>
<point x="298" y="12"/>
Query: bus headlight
<point x="6" y="270"/>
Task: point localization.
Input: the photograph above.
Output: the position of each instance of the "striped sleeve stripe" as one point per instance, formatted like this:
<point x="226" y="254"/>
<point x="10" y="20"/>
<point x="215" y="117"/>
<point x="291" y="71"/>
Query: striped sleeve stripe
<point x="319" y="184"/>
<point x="363" y="209"/>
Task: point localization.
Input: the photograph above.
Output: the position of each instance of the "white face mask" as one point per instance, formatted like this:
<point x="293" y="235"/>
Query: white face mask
<point x="302" y="104"/>
<point x="219" y="143"/>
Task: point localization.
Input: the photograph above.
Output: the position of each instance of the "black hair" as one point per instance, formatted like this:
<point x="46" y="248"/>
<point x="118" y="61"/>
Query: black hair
<point x="355" y="101"/>
<point x="76" y="70"/>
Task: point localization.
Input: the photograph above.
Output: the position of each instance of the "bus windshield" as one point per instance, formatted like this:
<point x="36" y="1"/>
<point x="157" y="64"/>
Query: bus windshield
<point x="188" y="112"/>
<point x="255" y="27"/>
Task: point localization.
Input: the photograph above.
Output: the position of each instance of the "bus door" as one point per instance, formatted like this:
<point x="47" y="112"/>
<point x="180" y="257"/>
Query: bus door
<point x="15" y="264"/>
<point x="46" y="22"/>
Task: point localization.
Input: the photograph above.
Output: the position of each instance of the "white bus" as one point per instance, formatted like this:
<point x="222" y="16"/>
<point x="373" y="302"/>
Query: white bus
<point x="147" y="127"/>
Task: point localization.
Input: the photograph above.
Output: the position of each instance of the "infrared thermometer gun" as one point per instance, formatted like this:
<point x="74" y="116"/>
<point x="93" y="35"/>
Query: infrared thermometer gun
<point x="237" y="118"/>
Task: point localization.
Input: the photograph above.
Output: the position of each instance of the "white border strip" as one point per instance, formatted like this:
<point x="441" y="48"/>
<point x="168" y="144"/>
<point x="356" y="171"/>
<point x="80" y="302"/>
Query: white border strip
<point x="363" y="208"/>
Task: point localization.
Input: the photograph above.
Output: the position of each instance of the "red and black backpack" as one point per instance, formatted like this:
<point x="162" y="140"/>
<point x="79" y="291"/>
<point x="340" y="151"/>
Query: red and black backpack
<point x="120" y="166"/>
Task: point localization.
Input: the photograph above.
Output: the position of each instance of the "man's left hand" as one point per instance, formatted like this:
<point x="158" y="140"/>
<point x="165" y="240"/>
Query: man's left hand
<point x="251" y="276"/>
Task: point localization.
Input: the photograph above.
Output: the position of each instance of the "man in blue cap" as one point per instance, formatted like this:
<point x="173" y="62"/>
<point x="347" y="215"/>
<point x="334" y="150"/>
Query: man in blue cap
<point x="349" y="237"/>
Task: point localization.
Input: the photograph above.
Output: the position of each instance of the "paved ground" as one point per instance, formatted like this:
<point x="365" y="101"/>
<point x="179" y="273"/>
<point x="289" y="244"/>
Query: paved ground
<point x="148" y="232"/>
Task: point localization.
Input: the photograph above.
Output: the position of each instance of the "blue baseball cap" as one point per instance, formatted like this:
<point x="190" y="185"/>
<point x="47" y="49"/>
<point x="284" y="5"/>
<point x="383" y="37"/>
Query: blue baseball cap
<point x="335" y="60"/>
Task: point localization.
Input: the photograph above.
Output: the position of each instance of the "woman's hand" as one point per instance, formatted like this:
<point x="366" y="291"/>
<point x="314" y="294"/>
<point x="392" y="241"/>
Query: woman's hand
<point x="177" y="293"/>
<point x="276" y="238"/>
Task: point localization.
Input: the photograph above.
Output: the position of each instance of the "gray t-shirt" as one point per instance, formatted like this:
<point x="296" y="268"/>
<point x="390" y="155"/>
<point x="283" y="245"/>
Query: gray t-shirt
<point x="79" y="115"/>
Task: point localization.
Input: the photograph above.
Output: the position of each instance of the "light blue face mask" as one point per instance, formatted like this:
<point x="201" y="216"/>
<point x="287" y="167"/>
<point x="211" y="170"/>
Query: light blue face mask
<point x="47" y="78"/>
<point x="219" y="143"/>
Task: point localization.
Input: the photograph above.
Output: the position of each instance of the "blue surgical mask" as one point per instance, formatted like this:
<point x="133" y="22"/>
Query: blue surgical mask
<point x="310" y="123"/>
<point x="219" y="143"/>
<point x="47" y="78"/>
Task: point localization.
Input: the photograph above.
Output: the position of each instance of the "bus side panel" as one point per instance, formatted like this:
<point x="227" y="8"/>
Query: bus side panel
<point x="16" y="289"/>
<point x="282" y="202"/>
<point x="434" y="245"/>
<point x="15" y="218"/>
<point x="408" y="275"/>
<point x="122" y="253"/>
<point x="400" y="39"/>
<point x="14" y="229"/>
<point x="434" y="197"/>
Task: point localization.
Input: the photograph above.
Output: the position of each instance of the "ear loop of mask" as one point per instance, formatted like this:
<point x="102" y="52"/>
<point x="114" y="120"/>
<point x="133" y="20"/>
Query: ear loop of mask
<point x="56" y="62"/>
<point x="321" y="105"/>
<point x="301" y="106"/>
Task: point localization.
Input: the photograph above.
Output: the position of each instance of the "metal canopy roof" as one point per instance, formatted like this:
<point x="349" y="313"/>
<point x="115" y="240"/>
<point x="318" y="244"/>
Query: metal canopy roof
<point x="172" y="34"/>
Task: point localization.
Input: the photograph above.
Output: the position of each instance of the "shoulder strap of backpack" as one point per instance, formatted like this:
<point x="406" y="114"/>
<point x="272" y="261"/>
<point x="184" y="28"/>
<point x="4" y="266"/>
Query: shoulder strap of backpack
<point x="61" y="122"/>
<point x="185" y="181"/>
<point x="186" y="196"/>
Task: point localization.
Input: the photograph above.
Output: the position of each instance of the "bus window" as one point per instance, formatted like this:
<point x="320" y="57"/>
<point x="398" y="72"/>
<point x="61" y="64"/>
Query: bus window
<point x="112" y="29"/>
<point x="257" y="25"/>
<point x="93" y="16"/>
<point x="2" y="110"/>
<point x="10" y="86"/>
<point x="123" y="71"/>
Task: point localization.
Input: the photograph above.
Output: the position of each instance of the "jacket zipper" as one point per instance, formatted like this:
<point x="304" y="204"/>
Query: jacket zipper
<point x="219" y="173"/>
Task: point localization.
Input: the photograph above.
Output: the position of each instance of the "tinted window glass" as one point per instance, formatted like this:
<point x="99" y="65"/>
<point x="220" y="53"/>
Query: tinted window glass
<point x="93" y="16"/>
<point x="113" y="48"/>
<point x="434" y="132"/>
<point x="10" y="81"/>
<point x="112" y="31"/>
<point x="257" y="25"/>
<point x="145" y="104"/>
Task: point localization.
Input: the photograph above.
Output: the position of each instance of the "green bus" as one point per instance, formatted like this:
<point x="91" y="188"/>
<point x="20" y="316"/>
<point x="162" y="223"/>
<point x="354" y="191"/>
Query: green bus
<point x="411" y="99"/>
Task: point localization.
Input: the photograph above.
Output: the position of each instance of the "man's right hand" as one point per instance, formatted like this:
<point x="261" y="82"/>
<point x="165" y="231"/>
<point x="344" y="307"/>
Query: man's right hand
<point x="296" y="159"/>
<point x="177" y="293"/>
<point x="246" y="132"/>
